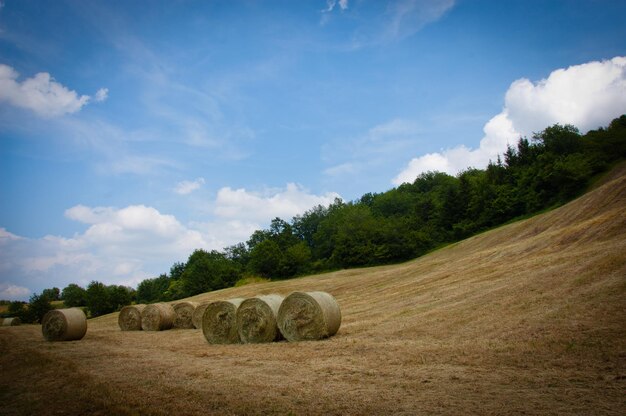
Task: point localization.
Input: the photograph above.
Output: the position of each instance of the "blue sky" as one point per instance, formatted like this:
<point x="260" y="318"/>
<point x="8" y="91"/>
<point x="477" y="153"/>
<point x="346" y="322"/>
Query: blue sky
<point x="132" y="132"/>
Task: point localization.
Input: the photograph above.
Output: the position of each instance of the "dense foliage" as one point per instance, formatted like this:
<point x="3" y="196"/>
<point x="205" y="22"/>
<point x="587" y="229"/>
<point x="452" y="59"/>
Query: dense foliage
<point x="551" y="168"/>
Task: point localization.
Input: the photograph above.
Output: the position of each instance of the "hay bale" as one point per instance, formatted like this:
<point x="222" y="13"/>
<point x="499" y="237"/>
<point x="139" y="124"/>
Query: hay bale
<point x="198" y="313"/>
<point x="184" y="313"/>
<point x="64" y="325"/>
<point x="157" y="317"/>
<point x="219" y="322"/>
<point x="256" y="319"/>
<point x="309" y="316"/>
<point x="15" y="321"/>
<point x="130" y="318"/>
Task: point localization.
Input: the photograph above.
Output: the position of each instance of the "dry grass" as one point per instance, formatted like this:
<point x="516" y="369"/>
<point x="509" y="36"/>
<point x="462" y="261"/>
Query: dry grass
<point x="526" y="319"/>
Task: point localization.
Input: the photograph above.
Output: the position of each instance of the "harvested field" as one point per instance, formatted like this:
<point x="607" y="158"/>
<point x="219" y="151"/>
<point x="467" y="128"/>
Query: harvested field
<point x="525" y="319"/>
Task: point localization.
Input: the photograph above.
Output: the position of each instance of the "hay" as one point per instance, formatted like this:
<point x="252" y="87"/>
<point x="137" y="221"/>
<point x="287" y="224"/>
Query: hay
<point x="64" y="325"/>
<point x="196" y="318"/>
<point x="130" y="318"/>
<point x="219" y="322"/>
<point x="157" y="317"/>
<point x="184" y="313"/>
<point x="11" y="321"/>
<point x="309" y="316"/>
<point x="256" y="319"/>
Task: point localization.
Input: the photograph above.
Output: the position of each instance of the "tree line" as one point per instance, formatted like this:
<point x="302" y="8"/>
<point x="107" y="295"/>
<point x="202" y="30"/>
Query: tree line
<point x="545" y="171"/>
<point x="97" y="299"/>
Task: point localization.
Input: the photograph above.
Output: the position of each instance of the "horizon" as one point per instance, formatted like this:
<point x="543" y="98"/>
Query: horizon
<point x="132" y="136"/>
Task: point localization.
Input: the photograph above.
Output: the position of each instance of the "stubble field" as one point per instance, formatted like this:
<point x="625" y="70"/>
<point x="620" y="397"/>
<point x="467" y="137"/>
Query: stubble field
<point x="529" y="318"/>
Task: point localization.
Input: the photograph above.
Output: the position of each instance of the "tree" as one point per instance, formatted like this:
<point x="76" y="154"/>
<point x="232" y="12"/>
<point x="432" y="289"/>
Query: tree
<point x="38" y="306"/>
<point x="152" y="290"/>
<point x="177" y="270"/>
<point x="560" y="140"/>
<point x="52" y="294"/>
<point x="74" y="295"/>
<point x="98" y="300"/>
<point x="207" y="271"/>
<point x="16" y="308"/>
<point x="119" y="296"/>
<point x="265" y="259"/>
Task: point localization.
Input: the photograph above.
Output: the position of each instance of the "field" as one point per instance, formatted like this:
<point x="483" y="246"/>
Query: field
<point x="529" y="318"/>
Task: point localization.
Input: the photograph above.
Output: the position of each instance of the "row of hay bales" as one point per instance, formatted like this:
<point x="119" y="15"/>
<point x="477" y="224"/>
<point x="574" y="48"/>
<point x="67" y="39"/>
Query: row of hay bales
<point x="266" y="318"/>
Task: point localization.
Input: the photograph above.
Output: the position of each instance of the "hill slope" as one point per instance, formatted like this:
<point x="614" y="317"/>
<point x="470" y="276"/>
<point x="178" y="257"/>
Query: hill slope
<point x="525" y="319"/>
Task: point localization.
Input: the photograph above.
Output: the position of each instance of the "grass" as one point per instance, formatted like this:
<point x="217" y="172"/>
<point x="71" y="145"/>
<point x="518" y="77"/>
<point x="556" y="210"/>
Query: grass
<point x="250" y="280"/>
<point x="523" y="319"/>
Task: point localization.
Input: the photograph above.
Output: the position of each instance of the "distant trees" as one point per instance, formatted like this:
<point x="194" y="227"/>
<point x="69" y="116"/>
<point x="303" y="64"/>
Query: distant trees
<point x="74" y="295"/>
<point x="103" y="299"/>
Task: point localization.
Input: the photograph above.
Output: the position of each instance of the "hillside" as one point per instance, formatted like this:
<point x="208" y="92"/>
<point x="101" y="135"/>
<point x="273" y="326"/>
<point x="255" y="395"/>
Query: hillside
<point x="528" y="318"/>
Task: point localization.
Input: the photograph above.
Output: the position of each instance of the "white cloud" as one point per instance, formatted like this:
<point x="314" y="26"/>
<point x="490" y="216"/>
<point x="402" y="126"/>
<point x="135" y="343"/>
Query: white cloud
<point x="13" y="292"/>
<point x="127" y="245"/>
<point x="187" y="187"/>
<point x="102" y="94"/>
<point x="41" y="94"/>
<point x="255" y="207"/>
<point x="587" y="96"/>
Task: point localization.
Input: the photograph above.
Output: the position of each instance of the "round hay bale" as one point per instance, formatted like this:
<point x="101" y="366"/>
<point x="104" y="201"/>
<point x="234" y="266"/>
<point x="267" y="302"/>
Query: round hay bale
<point x="130" y="318"/>
<point x="184" y="313"/>
<point x="198" y="313"/>
<point x="157" y="317"/>
<point x="309" y="316"/>
<point x="219" y="322"/>
<point x="64" y="325"/>
<point x="256" y="319"/>
<point x="15" y="321"/>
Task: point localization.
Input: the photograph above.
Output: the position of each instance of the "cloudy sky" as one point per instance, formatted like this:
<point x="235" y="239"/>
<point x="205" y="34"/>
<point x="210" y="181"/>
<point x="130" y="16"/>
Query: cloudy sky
<point x="133" y="132"/>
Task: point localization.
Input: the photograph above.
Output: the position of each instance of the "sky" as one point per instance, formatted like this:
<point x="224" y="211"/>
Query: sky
<point x="133" y="132"/>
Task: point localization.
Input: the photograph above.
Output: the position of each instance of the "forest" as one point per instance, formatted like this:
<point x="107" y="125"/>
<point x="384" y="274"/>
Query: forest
<point x="540" y="173"/>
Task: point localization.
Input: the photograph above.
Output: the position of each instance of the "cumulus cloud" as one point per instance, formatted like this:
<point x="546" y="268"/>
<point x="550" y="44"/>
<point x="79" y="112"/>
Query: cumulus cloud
<point x="262" y="207"/>
<point x="41" y="94"/>
<point x="187" y="187"/>
<point x="119" y="246"/>
<point x="587" y="96"/>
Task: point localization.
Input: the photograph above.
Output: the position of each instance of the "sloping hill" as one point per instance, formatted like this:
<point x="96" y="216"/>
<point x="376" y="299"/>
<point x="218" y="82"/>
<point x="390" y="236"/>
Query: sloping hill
<point x="529" y="318"/>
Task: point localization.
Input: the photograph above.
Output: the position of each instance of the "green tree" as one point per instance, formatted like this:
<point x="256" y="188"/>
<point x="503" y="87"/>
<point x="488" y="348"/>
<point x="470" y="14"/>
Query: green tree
<point x="152" y="290"/>
<point x="265" y="259"/>
<point x="53" y="293"/>
<point x="16" y="308"/>
<point x="207" y="271"/>
<point x="74" y="295"/>
<point x="119" y="296"/>
<point x="98" y="299"/>
<point x="38" y="306"/>
<point x="177" y="270"/>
